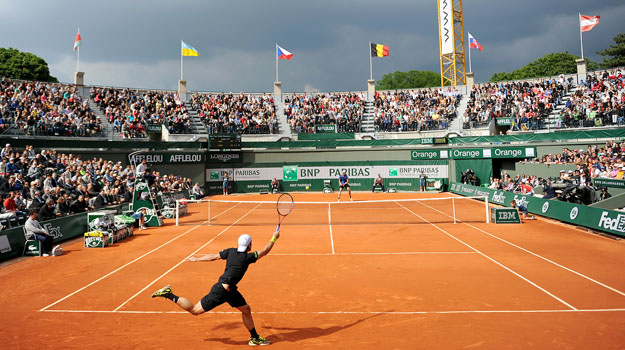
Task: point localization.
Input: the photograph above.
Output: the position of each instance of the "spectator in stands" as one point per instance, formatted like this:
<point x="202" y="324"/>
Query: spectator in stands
<point x="79" y="205"/>
<point x="34" y="228"/>
<point x="378" y="182"/>
<point x="62" y="206"/>
<point x="11" y="206"/>
<point x="48" y="211"/>
<point x="37" y="201"/>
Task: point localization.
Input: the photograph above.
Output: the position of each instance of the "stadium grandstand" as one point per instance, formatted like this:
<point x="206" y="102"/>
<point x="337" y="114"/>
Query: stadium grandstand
<point x="491" y="214"/>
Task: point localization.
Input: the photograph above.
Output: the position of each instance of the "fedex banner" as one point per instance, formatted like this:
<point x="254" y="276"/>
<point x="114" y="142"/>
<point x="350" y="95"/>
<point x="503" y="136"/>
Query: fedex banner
<point x="604" y="220"/>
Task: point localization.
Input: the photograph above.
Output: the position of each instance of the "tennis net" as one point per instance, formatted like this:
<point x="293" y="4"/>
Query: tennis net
<point x="386" y="212"/>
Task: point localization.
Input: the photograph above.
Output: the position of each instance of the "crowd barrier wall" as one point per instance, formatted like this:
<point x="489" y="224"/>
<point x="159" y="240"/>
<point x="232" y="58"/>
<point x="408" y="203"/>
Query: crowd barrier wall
<point x="604" y="220"/>
<point x="12" y="240"/>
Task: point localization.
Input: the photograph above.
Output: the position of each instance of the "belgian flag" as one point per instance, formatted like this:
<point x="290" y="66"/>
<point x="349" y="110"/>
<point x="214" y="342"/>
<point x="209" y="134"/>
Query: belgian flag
<point x="378" y="50"/>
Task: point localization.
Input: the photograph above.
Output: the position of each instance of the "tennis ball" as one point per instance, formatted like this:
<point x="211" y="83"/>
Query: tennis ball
<point x="307" y="187"/>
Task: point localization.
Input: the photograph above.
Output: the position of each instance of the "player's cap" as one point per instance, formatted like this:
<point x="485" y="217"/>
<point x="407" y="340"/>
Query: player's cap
<point x="244" y="242"/>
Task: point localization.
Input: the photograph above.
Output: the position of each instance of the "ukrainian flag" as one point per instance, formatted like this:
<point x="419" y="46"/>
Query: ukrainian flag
<point x="188" y="50"/>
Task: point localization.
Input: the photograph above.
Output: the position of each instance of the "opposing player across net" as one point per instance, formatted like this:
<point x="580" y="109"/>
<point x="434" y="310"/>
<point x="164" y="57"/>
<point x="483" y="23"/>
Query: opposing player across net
<point x="374" y="212"/>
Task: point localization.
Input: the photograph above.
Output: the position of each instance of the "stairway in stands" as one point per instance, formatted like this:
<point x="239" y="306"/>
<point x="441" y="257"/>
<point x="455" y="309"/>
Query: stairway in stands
<point x="197" y="125"/>
<point x="367" y="124"/>
<point x="456" y="124"/>
<point x="550" y="123"/>
<point x="284" y="130"/>
<point x="107" y="128"/>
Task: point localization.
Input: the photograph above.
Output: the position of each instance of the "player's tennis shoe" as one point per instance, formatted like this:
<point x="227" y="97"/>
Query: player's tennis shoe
<point x="258" y="341"/>
<point x="162" y="292"/>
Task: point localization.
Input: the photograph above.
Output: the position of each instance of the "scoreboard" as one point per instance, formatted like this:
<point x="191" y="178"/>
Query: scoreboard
<point x="224" y="142"/>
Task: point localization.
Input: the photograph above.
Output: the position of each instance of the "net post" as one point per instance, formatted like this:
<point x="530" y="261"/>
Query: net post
<point x="453" y="208"/>
<point x="177" y="203"/>
<point x="486" y="209"/>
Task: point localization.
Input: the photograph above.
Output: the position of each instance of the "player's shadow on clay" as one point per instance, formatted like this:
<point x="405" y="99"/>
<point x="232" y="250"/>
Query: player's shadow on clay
<point x="292" y="334"/>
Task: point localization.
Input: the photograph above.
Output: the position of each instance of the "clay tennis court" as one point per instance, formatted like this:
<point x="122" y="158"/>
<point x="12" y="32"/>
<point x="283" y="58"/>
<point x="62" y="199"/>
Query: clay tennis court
<point x="393" y="275"/>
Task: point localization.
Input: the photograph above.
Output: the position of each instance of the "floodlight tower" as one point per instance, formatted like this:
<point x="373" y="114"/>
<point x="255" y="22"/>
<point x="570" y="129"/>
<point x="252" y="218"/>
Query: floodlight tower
<point x="451" y="41"/>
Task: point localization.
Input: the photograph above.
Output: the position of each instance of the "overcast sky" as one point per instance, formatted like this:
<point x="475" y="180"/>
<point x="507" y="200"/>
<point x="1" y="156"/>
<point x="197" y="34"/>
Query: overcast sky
<point x="136" y="43"/>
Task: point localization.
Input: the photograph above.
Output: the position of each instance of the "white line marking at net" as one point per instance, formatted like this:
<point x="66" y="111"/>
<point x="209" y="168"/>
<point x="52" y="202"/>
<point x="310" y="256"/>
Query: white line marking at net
<point x="493" y="260"/>
<point x="449" y="312"/>
<point x="183" y="260"/>
<point x="538" y="255"/>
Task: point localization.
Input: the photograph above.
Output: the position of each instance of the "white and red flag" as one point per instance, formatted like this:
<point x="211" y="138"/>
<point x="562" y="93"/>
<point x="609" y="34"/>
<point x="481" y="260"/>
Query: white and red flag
<point x="78" y="41"/>
<point x="587" y="23"/>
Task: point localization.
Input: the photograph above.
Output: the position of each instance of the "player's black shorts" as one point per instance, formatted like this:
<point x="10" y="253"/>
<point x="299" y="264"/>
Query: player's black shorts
<point x="218" y="295"/>
<point x="345" y="185"/>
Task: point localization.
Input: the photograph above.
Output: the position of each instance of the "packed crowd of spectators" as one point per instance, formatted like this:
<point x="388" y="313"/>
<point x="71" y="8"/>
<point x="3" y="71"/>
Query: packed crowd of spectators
<point x="57" y="184"/>
<point x="598" y="101"/>
<point x="45" y="109"/>
<point x="241" y="114"/>
<point x="344" y="110"/>
<point x="606" y="161"/>
<point x="528" y="103"/>
<point x="421" y="110"/>
<point x="130" y="110"/>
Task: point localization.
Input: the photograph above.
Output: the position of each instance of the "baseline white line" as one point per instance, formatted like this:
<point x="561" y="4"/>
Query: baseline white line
<point x="394" y="253"/>
<point x="330" y="226"/>
<point x="538" y="256"/>
<point x="183" y="260"/>
<point x="351" y="312"/>
<point x="127" y="264"/>
<point x="493" y="260"/>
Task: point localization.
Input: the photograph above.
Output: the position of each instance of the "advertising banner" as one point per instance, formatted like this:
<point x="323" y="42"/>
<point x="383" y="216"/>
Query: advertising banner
<point x="295" y="177"/>
<point x="604" y="220"/>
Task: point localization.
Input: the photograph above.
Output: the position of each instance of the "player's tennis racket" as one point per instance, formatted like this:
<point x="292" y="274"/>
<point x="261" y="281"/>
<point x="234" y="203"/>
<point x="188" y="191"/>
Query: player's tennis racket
<point x="284" y="205"/>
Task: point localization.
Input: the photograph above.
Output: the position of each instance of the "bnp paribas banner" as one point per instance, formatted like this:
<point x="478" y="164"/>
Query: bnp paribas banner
<point x="293" y="177"/>
<point x="610" y="221"/>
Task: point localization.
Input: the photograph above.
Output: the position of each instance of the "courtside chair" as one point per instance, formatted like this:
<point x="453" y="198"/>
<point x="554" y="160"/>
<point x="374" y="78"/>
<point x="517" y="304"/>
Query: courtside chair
<point x="31" y="241"/>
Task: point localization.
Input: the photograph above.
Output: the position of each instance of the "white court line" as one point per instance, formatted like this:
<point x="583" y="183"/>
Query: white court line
<point x="330" y="226"/>
<point x="352" y="312"/>
<point x="394" y="253"/>
<point x="537" y="255"/>
<point x="127" y="264"/>
<point x="493" y="260"/>
<point x="183" y="260"/>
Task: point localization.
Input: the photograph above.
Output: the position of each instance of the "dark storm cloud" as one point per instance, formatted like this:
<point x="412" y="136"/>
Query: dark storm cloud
<point x="137" y="43"/>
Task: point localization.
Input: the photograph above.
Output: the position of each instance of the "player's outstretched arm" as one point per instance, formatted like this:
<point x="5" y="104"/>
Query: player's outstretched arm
<point x="207" y="257"/>
<point x="269" y="245"/>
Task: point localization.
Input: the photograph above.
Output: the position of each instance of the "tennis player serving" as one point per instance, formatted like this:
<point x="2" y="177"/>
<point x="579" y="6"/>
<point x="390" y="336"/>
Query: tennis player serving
<point x="225" y="290"/>
<point x="344" y="183"/>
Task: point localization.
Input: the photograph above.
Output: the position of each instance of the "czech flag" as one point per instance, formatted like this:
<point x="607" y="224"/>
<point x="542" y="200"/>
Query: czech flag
<point x="473" y="44"/>
<point x="283" y="54"/>
<point x="78" y="41"/>
<point x="587" y="23"/>
<point x="188" y="50"/>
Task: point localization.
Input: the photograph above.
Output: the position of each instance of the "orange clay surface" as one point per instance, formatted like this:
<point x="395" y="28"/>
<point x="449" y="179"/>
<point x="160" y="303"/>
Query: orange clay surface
<point x="392" y="276"/>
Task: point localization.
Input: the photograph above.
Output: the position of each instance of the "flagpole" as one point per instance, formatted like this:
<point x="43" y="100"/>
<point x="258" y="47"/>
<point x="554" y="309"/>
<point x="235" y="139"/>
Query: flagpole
<point x="181" y="61"/>
<point x="277" y="63"/>
<point x="470" y="69"/>
<point x="370" y="63"/>
<point x="581" y="40"/>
